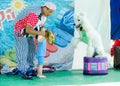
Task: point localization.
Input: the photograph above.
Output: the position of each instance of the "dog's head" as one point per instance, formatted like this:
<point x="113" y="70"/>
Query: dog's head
<point x="50" y="37"/>
<point x="79" y="18"/>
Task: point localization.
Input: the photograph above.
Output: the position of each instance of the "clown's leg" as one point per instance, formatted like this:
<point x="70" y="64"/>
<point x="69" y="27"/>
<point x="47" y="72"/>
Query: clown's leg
<point x="31" y="53"/>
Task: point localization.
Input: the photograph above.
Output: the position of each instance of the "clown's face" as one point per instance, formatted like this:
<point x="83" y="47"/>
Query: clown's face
<point x="46" y="11"/>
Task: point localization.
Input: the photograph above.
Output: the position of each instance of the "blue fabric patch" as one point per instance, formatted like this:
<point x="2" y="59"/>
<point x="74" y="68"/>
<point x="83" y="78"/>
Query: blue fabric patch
<point x="103" y="66"/>
<point x="60" y="41"/>
<point x="93" y="66"/>
<point x="67" y="22"/>
<point x="59" y="16"/>
<point x="85" y="66"/>
<point x="61" y="33"/>
<point x="41" y="51"/>
<point x="115" y="19"/>
<point x="62" y="38"/>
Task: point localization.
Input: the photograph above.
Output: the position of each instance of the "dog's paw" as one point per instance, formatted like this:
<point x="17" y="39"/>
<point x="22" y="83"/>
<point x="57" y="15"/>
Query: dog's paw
<point x="75" y="42"/>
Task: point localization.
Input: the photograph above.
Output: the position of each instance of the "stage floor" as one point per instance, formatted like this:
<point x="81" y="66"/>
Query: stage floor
<point x="65" y="78"/>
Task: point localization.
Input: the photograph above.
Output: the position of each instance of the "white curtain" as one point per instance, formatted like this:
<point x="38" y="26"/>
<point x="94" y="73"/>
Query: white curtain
<point x="98" y="12"/>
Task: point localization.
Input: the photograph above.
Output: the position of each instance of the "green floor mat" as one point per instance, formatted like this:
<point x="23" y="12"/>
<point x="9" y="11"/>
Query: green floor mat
<point x="62" y="78"/>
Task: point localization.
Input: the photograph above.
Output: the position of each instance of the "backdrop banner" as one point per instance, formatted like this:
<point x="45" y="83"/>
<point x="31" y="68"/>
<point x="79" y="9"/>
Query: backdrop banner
<point x="59" y="55"/>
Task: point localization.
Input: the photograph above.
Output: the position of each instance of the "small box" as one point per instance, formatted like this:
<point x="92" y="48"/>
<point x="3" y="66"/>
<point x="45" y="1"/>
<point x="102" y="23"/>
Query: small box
<point x="98" y="65"/>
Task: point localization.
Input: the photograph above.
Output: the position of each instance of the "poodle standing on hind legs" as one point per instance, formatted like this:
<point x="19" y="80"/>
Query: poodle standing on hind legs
<point x="95" y="46"/>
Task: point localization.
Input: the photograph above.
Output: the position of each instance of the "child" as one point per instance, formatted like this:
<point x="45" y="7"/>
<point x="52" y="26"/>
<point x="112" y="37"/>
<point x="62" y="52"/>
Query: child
<point x="41" y="51"/>
<point x="25" y="24"/>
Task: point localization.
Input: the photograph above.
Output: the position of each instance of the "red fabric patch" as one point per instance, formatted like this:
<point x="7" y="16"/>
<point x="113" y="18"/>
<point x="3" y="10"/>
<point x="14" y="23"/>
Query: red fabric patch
<point x="51" y="48"/>
<point x="31" y="19"/>
<point x="116" y="43"/>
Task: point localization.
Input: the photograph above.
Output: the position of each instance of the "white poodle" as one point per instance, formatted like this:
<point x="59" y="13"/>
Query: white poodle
<point x="95" y="45"/>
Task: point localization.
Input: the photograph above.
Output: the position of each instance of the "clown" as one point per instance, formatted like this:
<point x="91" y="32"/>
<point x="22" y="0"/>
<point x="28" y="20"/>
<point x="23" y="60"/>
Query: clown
<point x="25" y="23"/>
